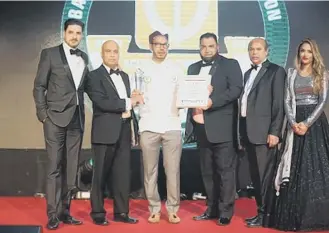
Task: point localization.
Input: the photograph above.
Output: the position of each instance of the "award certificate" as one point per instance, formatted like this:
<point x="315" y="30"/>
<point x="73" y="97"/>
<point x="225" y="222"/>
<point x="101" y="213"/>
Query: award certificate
<point x="193" y="91"/>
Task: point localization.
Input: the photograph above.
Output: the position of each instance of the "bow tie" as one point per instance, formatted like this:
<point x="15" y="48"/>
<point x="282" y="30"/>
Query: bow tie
<point x="206" y="64"/>
<point x="76" y="52"/>
<point x="117" y="71"/>
<point x="255" y="67"/>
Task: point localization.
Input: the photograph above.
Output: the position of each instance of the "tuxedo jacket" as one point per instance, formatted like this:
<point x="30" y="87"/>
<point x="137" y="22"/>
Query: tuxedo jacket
<point x="265" y="103"/>
<point x="107" y="106"/>
<point x="220" y="119"/>
<point x="54" y="92"/>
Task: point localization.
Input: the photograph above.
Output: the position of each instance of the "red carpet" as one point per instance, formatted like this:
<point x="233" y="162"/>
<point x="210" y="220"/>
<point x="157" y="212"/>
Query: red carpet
<point x="31" y="211"/>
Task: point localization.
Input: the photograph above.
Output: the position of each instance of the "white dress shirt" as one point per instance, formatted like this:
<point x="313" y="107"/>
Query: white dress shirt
<point x="122" y="91"/>
<point x="205" y="69"/>
<point x="76" y="64"/>
<point x="159" y="113"/>
<point x="247" y="89"/>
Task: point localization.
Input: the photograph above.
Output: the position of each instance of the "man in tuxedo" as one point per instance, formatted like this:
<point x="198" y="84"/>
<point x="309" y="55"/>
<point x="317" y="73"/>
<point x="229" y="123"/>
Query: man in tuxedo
<point x="58" y="95"/>
<point x="213" y="127"/>
<point x="261" y="116"/>
<point x="111" y="135"/>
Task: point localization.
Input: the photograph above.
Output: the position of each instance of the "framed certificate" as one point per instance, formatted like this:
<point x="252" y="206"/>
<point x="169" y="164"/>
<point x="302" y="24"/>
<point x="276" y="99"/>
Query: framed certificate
<point x="193" y="91"/>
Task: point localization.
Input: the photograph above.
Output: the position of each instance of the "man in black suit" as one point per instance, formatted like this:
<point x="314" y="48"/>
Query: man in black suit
<point x="214" y="129"/>
<point x="58" y="95"/>
<point x="111" y="135"/>
<point x="261" y="116"/>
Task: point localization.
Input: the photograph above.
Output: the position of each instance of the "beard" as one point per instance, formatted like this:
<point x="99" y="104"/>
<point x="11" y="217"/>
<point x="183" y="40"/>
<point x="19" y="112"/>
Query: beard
<point x="209" y="59"/>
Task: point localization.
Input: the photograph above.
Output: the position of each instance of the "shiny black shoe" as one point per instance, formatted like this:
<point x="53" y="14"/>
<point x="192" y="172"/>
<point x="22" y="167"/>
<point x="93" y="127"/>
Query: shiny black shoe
<point x="204" y="216"/>
<point x="53" y="223"/>
<point x="101" y="221"/>
<point x="124" y="218"/>
<point x="257" y="222"/>
<point x="251" y="219"/>
<point x="69" y="220"/>
<point x="223" y="221"/>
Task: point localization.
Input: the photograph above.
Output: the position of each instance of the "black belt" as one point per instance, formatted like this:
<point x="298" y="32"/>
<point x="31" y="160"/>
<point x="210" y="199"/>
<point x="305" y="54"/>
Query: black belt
<point x="125" y="120"/>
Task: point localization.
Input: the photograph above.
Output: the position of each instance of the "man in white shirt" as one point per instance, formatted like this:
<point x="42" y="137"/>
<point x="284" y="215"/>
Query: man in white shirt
<point x="111" y="135"/>
<point x="160" y="125"/>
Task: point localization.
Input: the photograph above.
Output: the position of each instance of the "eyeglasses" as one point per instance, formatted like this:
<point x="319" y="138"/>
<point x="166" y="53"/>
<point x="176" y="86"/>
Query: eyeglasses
<point x="158" y="45"/>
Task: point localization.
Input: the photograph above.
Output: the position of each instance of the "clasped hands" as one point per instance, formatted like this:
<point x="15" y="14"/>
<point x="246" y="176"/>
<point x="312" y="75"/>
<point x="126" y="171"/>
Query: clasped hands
<point x="300" y="128"/>
<point x="136" y="98"/>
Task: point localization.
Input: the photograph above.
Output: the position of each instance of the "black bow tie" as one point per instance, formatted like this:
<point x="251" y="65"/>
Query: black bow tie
<point x="206" y="64"/>
<point x="117" y="71"/>
<point x="76" y="52"/>
<point x="255" y="67"/>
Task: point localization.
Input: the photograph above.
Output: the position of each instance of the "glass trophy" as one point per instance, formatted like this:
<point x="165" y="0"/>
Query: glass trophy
<point x="140" y="84"/>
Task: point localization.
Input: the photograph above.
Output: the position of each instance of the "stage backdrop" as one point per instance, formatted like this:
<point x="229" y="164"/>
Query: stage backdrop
<point x="28" y="27"/>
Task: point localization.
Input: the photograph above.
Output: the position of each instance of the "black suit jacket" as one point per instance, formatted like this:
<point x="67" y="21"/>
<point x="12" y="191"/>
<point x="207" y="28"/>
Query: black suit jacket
<point x="54" y="91"/>
<point x="220" y="119"/>
<point x="107" y="106"/>
<point x="265" y="109"/>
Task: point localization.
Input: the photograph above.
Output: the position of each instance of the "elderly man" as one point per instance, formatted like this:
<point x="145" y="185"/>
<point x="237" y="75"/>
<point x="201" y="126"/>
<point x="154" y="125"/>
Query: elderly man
<point x="261" y="105"/>
<point x="109" y="90"/>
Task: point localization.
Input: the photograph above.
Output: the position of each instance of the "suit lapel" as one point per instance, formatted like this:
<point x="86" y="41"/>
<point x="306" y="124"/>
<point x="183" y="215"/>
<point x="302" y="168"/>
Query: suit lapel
<point x="108" y="78"/>
<point x="260" y="75"/>
<point x="246" y="77"/>
<point x="83" y="75"/>
<point x="66" y="64"/>
<point x="197" y="69"/>
<point x="214" y="67"/>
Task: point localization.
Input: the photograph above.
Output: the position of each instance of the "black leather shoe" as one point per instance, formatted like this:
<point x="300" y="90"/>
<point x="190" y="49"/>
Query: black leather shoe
<point x="223" y="221"/>
<point x="257" y="222"/>
<point x="53" y="223"/>
<point x="68" y="219"/>
<point x="101" y="221"/>
<point x="204" y="216"/>
<point x="250" y="219"/>
<point x="124" y="218"/>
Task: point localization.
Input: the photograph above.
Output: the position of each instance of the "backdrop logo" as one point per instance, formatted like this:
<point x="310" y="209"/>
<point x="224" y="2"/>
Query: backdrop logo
<point x="185" y="21"/>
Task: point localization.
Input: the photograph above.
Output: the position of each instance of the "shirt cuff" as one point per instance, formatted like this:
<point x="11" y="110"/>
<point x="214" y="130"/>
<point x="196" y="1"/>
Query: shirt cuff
<point x="128" y="104"/>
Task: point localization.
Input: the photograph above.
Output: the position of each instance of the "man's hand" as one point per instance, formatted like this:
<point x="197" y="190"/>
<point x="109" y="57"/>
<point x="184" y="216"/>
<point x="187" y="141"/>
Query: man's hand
<point x="209" y="104"/>
<point x="136" y="99"/>
<point x="210" y="89"/>
<point x="135" y="92"/>
<point x="272" y="140"/>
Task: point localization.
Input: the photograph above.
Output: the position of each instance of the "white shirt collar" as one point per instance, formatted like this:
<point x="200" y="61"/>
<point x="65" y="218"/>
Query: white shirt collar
<point x="203" y="62"/>
<point x="67" y="47"/>
<point x="164" y="62"/>
<point x="261" y="64"/>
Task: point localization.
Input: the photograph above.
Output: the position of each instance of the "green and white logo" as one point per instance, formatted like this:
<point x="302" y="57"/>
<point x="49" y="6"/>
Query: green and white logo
<point x="184" y="21"/>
